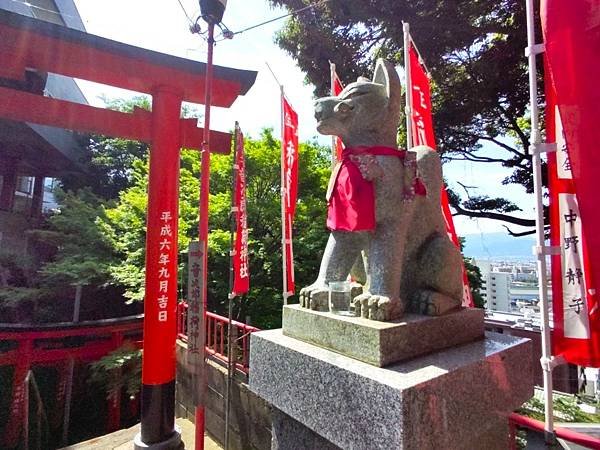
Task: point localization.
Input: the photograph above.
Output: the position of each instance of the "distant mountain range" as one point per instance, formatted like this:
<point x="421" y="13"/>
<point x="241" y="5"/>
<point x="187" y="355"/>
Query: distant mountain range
<point x="498" y="246"/>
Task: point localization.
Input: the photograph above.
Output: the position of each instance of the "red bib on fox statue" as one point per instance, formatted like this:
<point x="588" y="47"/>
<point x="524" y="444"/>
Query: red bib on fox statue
<point x="351" y="197"/>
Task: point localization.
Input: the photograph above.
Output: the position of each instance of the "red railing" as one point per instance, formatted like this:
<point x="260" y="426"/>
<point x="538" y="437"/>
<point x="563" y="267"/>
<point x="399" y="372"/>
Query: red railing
<point x="26" y="346"/>
<point x="518" y="421"/>
<point x="216" y="337"/>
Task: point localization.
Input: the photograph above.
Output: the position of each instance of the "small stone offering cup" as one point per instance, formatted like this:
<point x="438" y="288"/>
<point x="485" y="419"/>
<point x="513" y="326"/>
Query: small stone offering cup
<point x="340" y="298"/>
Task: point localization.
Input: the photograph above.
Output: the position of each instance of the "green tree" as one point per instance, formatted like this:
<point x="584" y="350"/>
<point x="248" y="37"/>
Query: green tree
<point x="474" y="51"/>
<point x="76" y="253"/>
<point x="108" y="162"/>
<point x="124" y="225"/>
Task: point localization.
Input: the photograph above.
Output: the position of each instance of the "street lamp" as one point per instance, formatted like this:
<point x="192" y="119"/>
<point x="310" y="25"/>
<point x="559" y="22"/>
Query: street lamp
<point x="212" y="10"/>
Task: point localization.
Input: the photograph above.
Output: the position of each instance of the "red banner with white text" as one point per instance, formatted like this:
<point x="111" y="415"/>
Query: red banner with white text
<point x="572" y="40"/>
<point x="289" y="186"/>
<point x="422" y="132"/>
<point x="241" y="267"/>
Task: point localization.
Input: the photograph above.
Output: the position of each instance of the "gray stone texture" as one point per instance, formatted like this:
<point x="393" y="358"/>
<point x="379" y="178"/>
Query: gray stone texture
<point x="383" y="343"/>
<point x="410" y="262"/>
<point x="457" y="398"/>
<point x="289" y="434"/>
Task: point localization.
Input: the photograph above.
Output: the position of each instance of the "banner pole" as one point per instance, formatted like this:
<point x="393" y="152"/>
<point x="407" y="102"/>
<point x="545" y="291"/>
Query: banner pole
<point x="546" y="360"/>
<point x="283" y="221"/>
<point x="282" y="191"/>
<point x="230" y="348"/>
<point x="408" y="95"/>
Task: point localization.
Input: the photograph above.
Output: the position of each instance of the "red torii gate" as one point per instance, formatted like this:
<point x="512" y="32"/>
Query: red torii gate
<point x="32" y="44"/>
<point x="32" y="345"/>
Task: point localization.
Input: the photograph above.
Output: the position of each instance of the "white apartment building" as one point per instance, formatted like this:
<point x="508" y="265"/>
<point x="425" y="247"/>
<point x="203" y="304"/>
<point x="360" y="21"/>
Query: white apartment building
<point x="496" y="290"/>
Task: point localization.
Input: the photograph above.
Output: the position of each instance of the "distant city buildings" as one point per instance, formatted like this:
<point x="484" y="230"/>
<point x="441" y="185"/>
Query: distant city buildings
<point x="510" y="286"/>
<point x="511" y="293"/>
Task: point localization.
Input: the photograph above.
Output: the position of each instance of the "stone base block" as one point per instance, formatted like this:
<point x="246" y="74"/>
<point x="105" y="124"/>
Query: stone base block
<point x="457" y="398"/>
<point x="383" y="343"/>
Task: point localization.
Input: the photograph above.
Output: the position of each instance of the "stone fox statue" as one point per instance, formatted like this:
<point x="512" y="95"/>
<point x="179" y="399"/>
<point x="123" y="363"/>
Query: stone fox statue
<point x="385" y="203"/>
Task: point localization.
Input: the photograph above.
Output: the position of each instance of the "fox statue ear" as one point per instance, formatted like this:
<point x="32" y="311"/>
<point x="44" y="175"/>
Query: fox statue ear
<point x="386" y="74"/>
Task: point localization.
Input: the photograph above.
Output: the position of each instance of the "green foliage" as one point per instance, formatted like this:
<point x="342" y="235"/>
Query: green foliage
<point x="119" y="369"/>
<point x="474" y="277"/>
<point x="485" y="203"/>
<point x="108" y="162"/>
<point x="76" y="253"/>
<point x="566" y="409"/>
<point x="475" y="282"/>
<point x="15" y="269"/>
<point x="124" y="225"/>
<point x="473" y="50"/>
<point x="83" y="254"/>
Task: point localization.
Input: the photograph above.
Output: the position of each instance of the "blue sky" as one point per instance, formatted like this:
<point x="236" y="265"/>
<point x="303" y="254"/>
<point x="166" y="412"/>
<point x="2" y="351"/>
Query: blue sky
<point x="161" y="25"/>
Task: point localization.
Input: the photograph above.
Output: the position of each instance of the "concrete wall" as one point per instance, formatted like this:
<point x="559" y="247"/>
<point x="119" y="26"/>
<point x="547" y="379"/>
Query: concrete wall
<point x="250" y="424"/>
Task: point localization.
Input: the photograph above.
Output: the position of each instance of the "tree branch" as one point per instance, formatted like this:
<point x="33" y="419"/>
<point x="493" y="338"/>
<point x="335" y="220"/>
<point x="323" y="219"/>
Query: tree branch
<point x="524" y="233"/>
<point x="515" y="126"/>
<point x="468" y="156"/>
<point x="494" y="216"/>
<point x="500" y="144"/>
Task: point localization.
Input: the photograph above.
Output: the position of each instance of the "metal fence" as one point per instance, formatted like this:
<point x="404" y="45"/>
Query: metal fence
<point x="216" y="337"/>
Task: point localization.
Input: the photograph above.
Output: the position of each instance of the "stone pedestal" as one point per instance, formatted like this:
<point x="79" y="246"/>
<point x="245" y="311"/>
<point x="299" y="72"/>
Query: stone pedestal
<point x="383" y="343"/>
<point x="457" y="398"/>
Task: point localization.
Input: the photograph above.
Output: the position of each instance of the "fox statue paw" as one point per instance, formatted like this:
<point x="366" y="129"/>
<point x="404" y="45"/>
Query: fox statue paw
<point x="378" y="307"/>
<point x="315" y="296"/>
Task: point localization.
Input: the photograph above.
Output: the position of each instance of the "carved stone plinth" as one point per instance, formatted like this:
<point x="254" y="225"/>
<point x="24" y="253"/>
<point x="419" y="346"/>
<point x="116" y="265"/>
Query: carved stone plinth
<point x="383" y="343"/>
<point x="457" y="398"/>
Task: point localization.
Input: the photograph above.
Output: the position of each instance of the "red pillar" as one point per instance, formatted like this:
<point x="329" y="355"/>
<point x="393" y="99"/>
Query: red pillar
<point x="9" y="184"/>
<point x="160" y="302"/>
<point x="14" y="428"/>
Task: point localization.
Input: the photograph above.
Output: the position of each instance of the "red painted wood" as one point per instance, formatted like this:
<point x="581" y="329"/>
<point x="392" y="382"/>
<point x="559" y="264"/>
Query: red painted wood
<point x="109" y="62"/>
<point x="54" y="333"/>
<point x="18" y="409"/>
<point x="26" y="107"/>
<point x="562" y="433"/>
<point x="160" y="302"/>
<point x="199" y="422"/>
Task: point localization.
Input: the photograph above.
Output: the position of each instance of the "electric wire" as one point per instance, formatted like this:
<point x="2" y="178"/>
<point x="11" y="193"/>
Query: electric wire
<point x="185" y="12"/>
<point x="228" y="34"/>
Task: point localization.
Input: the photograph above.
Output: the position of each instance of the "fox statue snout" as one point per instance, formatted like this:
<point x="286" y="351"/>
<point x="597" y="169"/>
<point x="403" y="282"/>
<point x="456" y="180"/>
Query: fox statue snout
<point x="365" y="111"/>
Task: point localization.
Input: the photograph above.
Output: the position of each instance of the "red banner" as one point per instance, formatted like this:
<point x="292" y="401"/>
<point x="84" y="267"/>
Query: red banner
<point x="241" y="268"/>
<point x="572" y="35"/>
<point x="336" y="88"/>
<point x="289" y="173"/>
<point x="422" y="132"/>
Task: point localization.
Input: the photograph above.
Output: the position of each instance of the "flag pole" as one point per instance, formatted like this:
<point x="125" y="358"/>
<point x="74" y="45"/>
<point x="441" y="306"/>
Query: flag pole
<point x="282" y="192"/>
<point x="231" y="295"/>
<point x="547" y="361"/>
<point x="408" y="95"/>
<point x="283" y="221"/>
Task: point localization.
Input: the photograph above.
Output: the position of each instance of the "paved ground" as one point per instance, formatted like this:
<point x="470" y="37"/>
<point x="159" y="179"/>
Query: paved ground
<point x="123" y="439"/>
